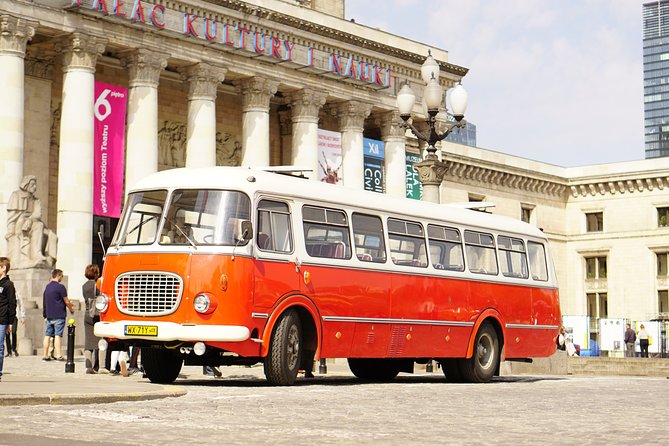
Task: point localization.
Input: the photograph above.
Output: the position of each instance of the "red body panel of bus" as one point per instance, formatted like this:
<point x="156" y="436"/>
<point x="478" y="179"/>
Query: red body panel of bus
<point x="357" y="312"/>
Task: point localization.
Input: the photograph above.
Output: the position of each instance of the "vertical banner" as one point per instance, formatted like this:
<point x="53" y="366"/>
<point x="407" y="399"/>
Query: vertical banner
<point x="373" y="162"/>
<point x="414" y="186"/>
<point x="109" y="143"/>
<point x="329" y="157"/>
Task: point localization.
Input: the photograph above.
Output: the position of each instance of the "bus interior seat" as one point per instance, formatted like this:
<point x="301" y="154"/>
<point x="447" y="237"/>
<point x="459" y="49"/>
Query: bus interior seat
<point x="364" y="257"/>
<point x="264" y="241"/>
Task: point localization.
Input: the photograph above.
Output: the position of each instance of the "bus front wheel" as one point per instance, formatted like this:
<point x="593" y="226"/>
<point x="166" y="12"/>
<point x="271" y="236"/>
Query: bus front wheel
<point x="161" y="366"/>
<point x="481" y="367"/>
<point x="283" y="359"/>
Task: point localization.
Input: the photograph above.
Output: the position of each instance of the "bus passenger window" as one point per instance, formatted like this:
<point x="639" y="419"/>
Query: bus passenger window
<point x="274" y="232"/>
<point x="368" y="237"/>
<point x="407" y="243"/>
<point x="512" y="259"/>
<point x="480" y="249"/>
<point x="538" y="265"/>
<point x="326" y="233"/>
<point x="445" y="248"/>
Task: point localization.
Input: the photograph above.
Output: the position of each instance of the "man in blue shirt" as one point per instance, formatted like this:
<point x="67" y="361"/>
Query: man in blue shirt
<point x="54" y="312"/>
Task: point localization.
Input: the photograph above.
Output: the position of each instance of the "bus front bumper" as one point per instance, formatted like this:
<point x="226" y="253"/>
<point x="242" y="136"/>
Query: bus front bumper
<point x="170" y="331"/>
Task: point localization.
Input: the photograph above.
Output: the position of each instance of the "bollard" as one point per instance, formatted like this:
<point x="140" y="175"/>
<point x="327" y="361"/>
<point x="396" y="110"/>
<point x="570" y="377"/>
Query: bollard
<point x="322" y="367"/>
<point x="69" y="365"/>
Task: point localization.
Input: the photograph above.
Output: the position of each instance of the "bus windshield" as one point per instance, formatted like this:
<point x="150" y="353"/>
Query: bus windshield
<point x="205" y="217"/>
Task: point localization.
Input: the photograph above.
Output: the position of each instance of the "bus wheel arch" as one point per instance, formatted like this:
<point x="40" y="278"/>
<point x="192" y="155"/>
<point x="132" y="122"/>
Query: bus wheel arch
<point x="485" y="351"/>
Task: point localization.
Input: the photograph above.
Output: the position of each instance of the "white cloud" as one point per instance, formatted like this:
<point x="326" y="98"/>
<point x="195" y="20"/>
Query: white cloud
<point x="559" y="82"/>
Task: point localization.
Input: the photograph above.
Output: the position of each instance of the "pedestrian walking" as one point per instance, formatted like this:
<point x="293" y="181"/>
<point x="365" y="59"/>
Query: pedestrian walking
<point x="55" y="305"/>
<point x="7" y="306"/>
<point x="643" y="341"/>
<point x="630" y="340"/>
<point x="91" y="316"/>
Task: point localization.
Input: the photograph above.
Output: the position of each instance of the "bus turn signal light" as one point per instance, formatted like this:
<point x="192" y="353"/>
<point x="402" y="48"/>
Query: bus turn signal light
<point x="223" y="282"/>
<point x="307" y="277"/>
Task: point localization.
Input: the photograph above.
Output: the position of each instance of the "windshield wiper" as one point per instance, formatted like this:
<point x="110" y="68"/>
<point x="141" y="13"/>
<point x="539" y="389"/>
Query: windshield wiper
<point x="181" y="231"/>
<point x="139" y="225"/>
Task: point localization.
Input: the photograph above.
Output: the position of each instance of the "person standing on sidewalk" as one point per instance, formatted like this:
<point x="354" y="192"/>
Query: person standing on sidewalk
<point x="54" y="312"/>
<point x="92" y="315"/>
<point x="643" y="341"/>
<point x="7" y="306"/>
<point x="630" y="340"/>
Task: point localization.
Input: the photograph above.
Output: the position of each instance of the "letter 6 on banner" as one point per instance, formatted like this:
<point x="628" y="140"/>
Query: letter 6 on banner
<point x="109" y="143"/>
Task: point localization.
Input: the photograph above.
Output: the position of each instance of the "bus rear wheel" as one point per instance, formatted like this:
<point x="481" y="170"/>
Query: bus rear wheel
<point x="481" y="367"/>
<point x="373" y="369"/>
<point x="285" y="351"/>
<point x="161" y="366"/>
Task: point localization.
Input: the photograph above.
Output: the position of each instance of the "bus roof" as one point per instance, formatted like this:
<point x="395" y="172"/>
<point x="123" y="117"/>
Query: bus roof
<point x="253" y="181"/>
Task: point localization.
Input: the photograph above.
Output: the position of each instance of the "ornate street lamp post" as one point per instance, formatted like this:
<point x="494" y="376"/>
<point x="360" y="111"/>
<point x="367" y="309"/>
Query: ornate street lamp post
<point x="431" y="170"/>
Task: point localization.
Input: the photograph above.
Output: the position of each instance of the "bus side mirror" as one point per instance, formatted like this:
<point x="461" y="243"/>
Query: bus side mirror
<point x="247" y="230"/>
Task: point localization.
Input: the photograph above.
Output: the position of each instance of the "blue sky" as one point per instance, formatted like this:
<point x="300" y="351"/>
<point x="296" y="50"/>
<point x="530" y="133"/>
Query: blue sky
<point x="554" y="81"/>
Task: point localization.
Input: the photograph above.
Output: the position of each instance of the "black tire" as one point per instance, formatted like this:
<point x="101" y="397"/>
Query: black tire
<point x="161" y="366"/>
<point x="285" y="350"/>
<point x="480" y="368"/>
<point x="451" y="368"/>
<point x="374" y="369"/>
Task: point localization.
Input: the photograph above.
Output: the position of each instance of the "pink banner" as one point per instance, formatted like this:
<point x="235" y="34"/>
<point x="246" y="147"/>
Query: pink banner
<point x="110" y="105"/>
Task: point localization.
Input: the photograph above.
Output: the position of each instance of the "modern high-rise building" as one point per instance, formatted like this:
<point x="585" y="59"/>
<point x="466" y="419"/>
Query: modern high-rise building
<point x="656" y="77"/>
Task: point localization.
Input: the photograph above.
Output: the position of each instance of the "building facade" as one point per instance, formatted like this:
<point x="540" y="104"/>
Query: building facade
<point x="255" y="83"/>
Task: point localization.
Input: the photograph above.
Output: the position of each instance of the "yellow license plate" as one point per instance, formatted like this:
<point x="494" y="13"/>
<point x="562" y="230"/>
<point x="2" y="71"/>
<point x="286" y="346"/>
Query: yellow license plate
<point x="141" y="330"/>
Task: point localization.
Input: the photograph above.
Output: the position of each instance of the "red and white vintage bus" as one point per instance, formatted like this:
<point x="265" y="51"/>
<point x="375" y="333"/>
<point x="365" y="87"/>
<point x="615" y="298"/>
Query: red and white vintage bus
<point x="234" y="266"/>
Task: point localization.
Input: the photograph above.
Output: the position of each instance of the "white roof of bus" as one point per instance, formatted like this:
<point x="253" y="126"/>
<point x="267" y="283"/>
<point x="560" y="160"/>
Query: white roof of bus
<point x="236" y="178"/>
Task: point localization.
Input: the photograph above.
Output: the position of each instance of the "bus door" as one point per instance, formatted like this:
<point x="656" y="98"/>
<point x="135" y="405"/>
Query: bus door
<point x="274" y="260"/>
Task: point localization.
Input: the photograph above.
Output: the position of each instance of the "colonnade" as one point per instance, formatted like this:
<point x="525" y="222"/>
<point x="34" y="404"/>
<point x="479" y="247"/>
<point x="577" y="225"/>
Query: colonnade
<point x="79" y="53"/>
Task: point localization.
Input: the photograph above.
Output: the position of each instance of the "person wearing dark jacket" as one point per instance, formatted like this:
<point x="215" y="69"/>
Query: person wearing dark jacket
<point x="7" y="306"/>
<point x="630" y="339"/>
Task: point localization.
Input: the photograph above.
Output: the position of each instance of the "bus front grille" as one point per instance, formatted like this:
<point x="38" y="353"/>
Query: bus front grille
<point x="152" y="293"/>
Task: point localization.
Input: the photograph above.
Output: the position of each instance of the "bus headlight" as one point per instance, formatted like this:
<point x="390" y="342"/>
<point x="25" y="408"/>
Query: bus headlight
<point x="204" y="303"/>
<point x="102" y="303"/>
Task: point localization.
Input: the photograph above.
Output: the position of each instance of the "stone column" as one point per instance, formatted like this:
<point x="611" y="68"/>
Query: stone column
<point x="305" y="105"/>
<point x="286" y="131"/>
<point x="256" y="94"/>
<point x="75" y="161"/>
<point x="144" y="68"/>
<point x="393" y="137"/>
<point x="203" y="82"/>
<point x="351" y="115"/>
<point x="14" y="35"/>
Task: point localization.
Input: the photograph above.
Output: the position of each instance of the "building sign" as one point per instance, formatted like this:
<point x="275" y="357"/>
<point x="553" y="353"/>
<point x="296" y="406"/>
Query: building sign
<point x="158" y="16"/>
<point x="329" y="157"/>
<point x="414" y="186"/>
<point x="109" y="129"/>
<point x="373" y="164"/>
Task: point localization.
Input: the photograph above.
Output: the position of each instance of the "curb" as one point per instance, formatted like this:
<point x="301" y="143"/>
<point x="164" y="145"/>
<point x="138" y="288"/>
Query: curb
<point x="90" y="398"/>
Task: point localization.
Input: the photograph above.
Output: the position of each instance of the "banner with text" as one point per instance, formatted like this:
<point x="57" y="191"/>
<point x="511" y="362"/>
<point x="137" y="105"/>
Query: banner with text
<point x="109" y="144"/>
<point x="414" y="186"/>
<point x="329" y="157"/>
<point x="373" y="162"/>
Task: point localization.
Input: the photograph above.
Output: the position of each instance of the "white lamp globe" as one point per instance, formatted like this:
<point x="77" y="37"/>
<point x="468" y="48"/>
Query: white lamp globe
<point x="405" y="100"/>
<point x="458" y="100"/>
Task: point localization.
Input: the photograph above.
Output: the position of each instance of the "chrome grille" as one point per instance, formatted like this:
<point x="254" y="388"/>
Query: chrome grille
<point x="148" y="293"/>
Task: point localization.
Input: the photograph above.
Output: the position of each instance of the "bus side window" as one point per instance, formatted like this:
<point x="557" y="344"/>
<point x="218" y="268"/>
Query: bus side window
<point x="406" y="241"/>
<point x="445" y="248"/>
<point x="538" y="265"/>
<point x="326" y="233"/>
<point x="274" y="232"/>
<point x="368" y="238"/>
<point x="512" y="259"/>
<point x="480" y="249"/>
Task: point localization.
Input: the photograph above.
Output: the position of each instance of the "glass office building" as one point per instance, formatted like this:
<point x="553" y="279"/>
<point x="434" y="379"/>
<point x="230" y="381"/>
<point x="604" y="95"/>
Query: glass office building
<point x="465" y="136"/>
<point x="656" y="78"/>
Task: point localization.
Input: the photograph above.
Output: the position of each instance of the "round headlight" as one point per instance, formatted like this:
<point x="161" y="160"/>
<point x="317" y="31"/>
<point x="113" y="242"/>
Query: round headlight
<point x="102" y="303"/>
<point x="202" y="303"/>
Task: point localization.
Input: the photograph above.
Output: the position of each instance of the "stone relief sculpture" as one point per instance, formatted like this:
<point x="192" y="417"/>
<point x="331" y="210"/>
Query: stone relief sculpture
<point x="30" y="244"/>
<point x="228" y="150"/>
<point x="172" y="143"/>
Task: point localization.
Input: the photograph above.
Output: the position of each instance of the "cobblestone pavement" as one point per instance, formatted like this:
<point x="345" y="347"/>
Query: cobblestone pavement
<point x="240" y="408"/>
